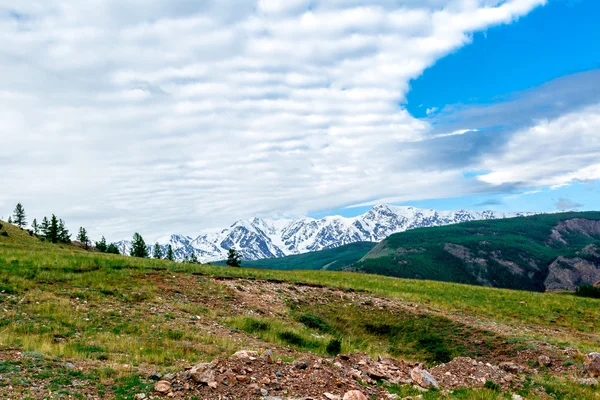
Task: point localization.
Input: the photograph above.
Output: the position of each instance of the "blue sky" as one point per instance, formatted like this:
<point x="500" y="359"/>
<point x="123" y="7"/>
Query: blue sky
<point x="176" y="116"/>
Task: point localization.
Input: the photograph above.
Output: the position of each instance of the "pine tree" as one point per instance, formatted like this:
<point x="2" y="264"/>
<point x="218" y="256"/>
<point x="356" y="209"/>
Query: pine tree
<point x="138" y="247"/>
<point x="9" y="219"/>
<point x="112" y="249"/>
<point x="234" y="259"/>
<point x="63" y="232"/>
<point x="101" y="245"/>
<point x="170" y="255"/>
<point x="19" y="216"/>
<point x="35" y="226"/>
<point x="45" y="227"/>
<point x="194" y="259"/>
<point x="157" y="252"/>
<point x="53" y="230"/>
<point x="83" y="238"/>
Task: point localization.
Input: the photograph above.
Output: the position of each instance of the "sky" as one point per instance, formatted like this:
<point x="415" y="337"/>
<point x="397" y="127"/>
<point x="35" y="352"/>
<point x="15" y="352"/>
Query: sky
<point x="177" y="116"/>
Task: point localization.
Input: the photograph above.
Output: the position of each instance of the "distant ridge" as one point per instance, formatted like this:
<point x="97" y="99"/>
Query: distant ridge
<point x="258" y="238"/>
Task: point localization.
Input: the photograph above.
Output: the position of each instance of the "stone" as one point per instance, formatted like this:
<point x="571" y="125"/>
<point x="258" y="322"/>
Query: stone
<point x="203" y="374"/>
<point x="139" y="396"/>
<point x="242" y="378"/>
<point x="392" y="396"/>
<point x="245" y="355"/>
<point x="588" y="381"/>
<point x="517" y="397"/>
<point x="544" y="361"/>
<point x="511" y="367"/>
<point x="155" y="376"/>
<point x="355" y="395"/>
<point x="376" y="374"/>
<point x="264" y="392"/>
<point x="423" y="378"/>
<point x="331" y="396"/>
<point x="169" y="377"/>
<point x="213" y="385"/>
<point x="592" y="365"/>
<point x="162" y="386"/>
<point x="267" y="356"/>
<point x="301" y="364"/>
<point x="70" y="365"/>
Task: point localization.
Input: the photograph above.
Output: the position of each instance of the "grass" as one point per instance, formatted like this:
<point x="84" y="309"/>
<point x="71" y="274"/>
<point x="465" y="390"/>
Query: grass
<point x="63" y="303"/>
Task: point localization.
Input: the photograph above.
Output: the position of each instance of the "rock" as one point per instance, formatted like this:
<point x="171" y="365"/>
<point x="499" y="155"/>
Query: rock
<point x="588" y="381"/>
<point x="242" y="378"/>
<point x="264" y="392"/>
<point x="512" y="367"/>
<point x="301" y="364"/>
<point x="423" y="378"/>
<point x="213" y="385"/>
<point x="544" y="361"/>
<point x="592" y="365"/>
<point x="331" y="396"/>
<point x="169" y="377"/>
<point x="391" y="396"/>
<point x="245" y="355"/>
<point x="355" y="395"/>
<point x="162" y="387"/>
<point x="267" y="356"/>
<point x="203" y="373"/>
<point x="70" y="365"/>
<point x="517" y="397"/>
<point x="376" y="374"/>
<point x="139" y="396"/>
<point x="155" y="376"/>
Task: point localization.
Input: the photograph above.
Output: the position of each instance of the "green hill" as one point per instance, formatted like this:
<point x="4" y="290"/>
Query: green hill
<point x="542" y="252"/>
<point x="77" y="324"/>
<point x="330" y="259"/>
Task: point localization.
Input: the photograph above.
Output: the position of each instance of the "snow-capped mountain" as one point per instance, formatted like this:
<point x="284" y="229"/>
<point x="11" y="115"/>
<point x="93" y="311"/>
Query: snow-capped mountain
<point x="262" y="238"/>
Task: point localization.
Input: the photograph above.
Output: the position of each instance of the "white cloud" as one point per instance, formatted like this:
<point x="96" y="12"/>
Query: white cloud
<point x="552" y="153"/>
<point x="175" y="115"/>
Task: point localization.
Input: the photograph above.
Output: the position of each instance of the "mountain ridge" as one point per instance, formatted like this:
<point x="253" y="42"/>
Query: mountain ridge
<point x="259" y="238"/>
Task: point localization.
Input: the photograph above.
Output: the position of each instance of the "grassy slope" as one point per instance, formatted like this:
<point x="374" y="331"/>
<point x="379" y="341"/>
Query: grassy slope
<point x="59" y="301"/>
<point x="330" y="259"/>
<point x="518" y="240"/>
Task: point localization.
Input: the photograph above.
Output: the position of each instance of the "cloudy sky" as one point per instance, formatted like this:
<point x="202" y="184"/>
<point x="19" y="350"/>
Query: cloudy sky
<point x="173" y="116"/>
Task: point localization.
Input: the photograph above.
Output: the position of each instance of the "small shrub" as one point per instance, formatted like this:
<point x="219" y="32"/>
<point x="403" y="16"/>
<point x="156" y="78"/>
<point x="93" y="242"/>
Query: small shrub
<point x="334" y="347"/>
<point x="292" y="338"/>
<point x="588" y="291"/>
<point x="492" y="385"/>
<point x="4" y="233"/>
<point x="314" y="322"/>
<point x="251" y="325"/>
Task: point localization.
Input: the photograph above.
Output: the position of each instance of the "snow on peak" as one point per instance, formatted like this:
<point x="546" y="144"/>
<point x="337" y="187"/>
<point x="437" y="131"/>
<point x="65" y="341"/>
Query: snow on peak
<point x="263" y="238"/>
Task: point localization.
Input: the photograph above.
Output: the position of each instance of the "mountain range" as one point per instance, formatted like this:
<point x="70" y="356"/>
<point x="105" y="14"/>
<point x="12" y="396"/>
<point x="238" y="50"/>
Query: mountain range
<point x="258" y="238"/>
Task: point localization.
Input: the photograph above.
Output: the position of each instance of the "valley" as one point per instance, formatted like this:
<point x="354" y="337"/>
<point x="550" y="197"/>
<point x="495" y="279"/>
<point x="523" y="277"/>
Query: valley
<point x="84" y="324"/>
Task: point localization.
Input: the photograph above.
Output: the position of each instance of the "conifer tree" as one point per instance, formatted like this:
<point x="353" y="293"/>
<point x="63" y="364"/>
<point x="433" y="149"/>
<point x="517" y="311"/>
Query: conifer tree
<point x="138" y="247"/>
<point x="194" y="259"/>
<point x="53" y="230"/>
<point x="63" y="232"/>
<point x="9" y="219"/>
<point x="234" y="259"/>
<point x="45" y="227"/>
<point x="101" y="245"/>
<point x="35" y="226"/>
<point x="112" y="249"/>
<point x="19" y="216"/>
<point x="157" y="253"/>
<point x="83" y="238"/>
<point x="170" y="255"/>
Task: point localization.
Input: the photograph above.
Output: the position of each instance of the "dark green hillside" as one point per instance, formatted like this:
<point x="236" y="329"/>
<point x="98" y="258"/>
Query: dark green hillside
<point x="330" y="259"/>
<point x="550" y="251"/>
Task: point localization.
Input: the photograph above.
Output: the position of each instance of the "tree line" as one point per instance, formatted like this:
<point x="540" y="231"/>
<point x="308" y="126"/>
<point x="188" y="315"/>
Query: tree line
<point x="54" y="230"/>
